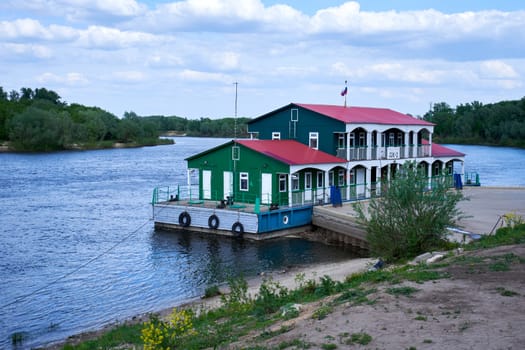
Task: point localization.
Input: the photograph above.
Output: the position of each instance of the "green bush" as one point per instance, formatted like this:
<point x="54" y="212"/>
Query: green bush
<point x="409" y="219"/>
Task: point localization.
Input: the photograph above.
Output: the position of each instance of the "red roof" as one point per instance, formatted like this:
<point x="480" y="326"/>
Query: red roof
<point x="364" y="115"/>
<point x="290" y="152"/>
<point x="442" y="151"/>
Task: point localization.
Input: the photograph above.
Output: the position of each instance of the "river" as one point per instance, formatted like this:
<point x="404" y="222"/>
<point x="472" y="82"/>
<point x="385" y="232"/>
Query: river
<point x="78" y="249"/>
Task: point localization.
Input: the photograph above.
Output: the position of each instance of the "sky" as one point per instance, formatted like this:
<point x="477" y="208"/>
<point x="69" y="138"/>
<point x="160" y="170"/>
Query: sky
<point x="165" y="57"/>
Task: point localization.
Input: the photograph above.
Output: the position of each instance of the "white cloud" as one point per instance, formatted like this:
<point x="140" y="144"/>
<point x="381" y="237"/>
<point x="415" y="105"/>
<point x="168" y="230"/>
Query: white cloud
<point x="72" y="78"/>
<point x="497" y="70"/>
<point x="25" y="50"/>
<point x="196" y="76"/>
<point x="111" y="38"/>
<point x="129" y="76"/>
<point x="80" y="10"/>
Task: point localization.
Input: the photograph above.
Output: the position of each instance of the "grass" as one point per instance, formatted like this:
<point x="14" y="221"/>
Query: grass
<point x="240" y="314"/>
<point x="503" y="236"/>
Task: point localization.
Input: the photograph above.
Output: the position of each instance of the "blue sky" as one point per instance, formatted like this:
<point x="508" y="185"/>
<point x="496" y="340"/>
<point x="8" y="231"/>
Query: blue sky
<point x="182" y="57"/>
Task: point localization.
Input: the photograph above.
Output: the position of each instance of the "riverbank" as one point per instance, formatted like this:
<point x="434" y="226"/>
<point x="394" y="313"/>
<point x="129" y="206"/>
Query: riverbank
<point x="457" y="296"/>
<point x="472" y="299"/>
<point x="6" y="147"/>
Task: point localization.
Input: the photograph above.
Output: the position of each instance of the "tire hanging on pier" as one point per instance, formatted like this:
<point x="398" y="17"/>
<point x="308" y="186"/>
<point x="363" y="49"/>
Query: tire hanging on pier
<point x="184" y="219"/>
<point x="237" y="230"/>
<point x="213" y="222"/>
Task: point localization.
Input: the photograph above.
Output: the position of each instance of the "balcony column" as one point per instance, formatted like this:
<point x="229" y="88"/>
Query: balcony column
<point x="347" y="146"/>
<point x="430" y="144"/>
<point x="429" y="173"/>
<point x="347" y="181"/>
<point x="326" y="186"/>
<point x="290" y="196"/>
<point x="378" y="181"/>
<point x="368" y="181"/>
<point x="368" y="145"/>
<point x="406" y="153"/>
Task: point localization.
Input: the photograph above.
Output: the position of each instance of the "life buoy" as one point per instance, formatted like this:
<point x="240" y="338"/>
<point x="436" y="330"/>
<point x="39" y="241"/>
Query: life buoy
<point x="285" y="219"/>
<point x="213" y="222"/>
<point x="184" y="219"/>
<point x="238" y="230"/>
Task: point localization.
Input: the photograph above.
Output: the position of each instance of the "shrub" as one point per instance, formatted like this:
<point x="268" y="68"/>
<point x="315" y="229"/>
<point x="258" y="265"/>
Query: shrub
<point x="409" y="218"/>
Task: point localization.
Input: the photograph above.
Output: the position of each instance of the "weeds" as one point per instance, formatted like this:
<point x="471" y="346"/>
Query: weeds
<point x="505" y="292"/>
<point x="405" y="290"/>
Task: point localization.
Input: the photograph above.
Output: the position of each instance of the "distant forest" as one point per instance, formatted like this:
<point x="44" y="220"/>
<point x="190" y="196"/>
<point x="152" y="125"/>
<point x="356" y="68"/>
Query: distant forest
<point x="497" y="124"/>
<point x="38" y="120"/>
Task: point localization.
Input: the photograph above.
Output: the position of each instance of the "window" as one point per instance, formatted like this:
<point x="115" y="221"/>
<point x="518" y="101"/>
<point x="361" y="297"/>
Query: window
<point x="243" y="184"/>
<point x="341" y="177"/>
<point x="400" y="138"/>
<point x="391" y="139"/>
<point x="282" y="183"/>
<point x="320" y="179"/>
<point x="362" y="141"/>
<point x="341" y="141"/>
<point x="294" y="115"/>
<point x="307" y="181"/>
<point x="314" y="140"/>
<point x="295" y="182"/>
<point x="331" y="178"/>
<point x="236" y="153"/>
<point x="276" y="135"/>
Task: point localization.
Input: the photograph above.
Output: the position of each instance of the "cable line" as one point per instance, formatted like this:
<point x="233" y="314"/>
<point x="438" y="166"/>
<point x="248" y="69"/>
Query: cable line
<point x="36" y="291"/>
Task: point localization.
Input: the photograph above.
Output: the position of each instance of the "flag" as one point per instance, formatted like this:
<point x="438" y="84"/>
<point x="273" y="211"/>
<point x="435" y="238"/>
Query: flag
<point x="345" y="90"/>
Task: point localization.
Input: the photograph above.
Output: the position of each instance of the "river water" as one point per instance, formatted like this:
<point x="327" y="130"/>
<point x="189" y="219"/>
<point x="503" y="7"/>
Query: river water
<point x="78" y="249"/>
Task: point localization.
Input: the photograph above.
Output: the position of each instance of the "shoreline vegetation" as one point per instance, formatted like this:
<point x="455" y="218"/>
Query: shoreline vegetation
<point x="445" y="301"/>
<point x="37" y="120"/>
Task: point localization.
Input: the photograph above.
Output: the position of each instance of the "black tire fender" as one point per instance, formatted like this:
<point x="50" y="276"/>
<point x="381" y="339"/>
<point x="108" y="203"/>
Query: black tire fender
<point x="237" y="230"/>
<point x="184" y="219"/>
<point x="213" y="222"/>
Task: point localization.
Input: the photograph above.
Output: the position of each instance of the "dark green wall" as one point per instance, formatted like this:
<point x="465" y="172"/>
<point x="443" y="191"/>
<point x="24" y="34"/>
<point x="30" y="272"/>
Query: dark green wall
<point x="220" y="160"/>
<point x="308" y="122"/>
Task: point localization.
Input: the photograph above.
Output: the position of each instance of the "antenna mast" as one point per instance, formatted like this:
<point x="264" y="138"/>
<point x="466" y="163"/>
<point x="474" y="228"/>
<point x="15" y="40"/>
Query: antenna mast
<point x="235" y="119"/>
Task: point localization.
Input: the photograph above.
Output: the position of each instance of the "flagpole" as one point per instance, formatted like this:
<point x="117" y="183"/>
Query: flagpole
<point x="345" y="91"/>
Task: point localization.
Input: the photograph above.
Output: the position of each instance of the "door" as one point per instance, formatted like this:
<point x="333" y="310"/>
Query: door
<point x="227" y="184"/>
<point x="307" y="187"/>
<point x="266" y="189"/>
<point x="360" y="181"/>
<point x="206" y="184"/>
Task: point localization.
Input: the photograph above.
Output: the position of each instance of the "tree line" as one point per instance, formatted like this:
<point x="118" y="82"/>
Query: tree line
<point x="497" y="124"/>
<point x="203" y="127"/>
<point x="38" y="120"/>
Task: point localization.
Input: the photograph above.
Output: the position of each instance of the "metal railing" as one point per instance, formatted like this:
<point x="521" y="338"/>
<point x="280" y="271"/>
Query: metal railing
<point x="314" y="196"/>
<point x="389" y="152"/>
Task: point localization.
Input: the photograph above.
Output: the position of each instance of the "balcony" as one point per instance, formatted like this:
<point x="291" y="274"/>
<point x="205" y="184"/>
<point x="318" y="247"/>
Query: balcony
<point x="390" y="152"/>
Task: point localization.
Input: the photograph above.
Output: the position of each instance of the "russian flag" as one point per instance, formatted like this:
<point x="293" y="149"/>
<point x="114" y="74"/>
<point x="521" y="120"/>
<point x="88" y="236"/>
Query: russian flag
<point x="344" y="92"/>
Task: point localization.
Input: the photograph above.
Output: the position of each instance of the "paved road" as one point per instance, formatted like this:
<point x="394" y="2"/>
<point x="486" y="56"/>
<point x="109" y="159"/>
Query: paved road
<point x="487" y="204"/>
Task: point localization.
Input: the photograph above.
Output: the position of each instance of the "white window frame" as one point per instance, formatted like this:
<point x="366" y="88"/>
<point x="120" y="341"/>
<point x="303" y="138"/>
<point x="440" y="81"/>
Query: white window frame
<point x="295" y="182"/>
<point x="283" y="183"/>
<point x="276" y="135"/>
<point x="244" y="182"/>
<point x="320" y="179"/>
<point x="341" y="177"/>
<point x="313" y="140"/>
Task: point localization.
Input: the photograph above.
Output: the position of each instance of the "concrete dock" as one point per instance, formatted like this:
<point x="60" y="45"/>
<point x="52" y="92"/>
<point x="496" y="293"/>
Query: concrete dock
<point x="484" y="209"/>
